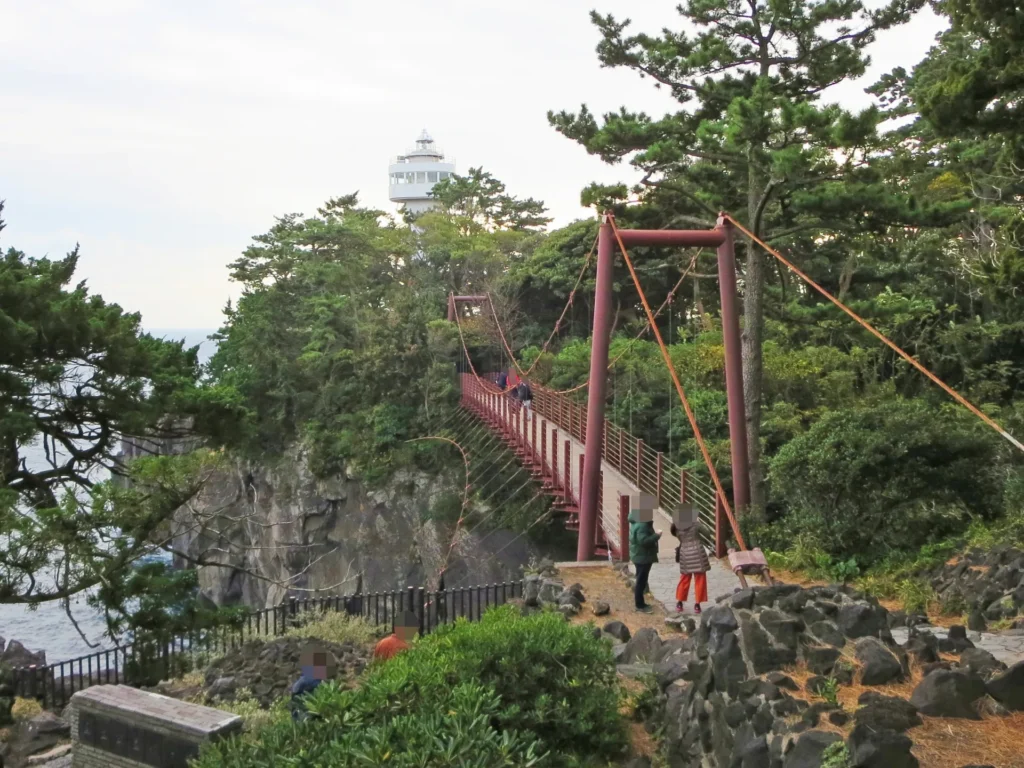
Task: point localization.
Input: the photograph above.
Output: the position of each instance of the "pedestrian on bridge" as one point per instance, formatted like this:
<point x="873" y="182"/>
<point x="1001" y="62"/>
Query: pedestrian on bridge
<point x="643" y="547"/>
<point x="502" y="381"/>
<point x="525" y="394"/>
<point x="693" y="564"/>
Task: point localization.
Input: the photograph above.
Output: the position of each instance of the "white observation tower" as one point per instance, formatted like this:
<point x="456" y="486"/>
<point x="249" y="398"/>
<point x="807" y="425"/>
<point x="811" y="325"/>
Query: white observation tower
<point x="411" y="176"/>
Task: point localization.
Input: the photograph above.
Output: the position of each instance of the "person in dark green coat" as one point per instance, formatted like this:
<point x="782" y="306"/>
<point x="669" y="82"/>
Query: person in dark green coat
<point x="643" y="551"/>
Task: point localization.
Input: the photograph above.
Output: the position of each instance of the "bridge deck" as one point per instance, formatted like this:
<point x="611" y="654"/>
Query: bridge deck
<point x="545" y="446"/>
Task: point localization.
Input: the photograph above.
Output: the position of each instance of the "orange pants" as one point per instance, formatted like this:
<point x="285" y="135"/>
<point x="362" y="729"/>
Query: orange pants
<point x="700" y="587"/>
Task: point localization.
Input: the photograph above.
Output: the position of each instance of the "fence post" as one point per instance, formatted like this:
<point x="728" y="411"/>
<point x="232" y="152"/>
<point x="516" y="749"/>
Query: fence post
<point x="639" y="463"/>
<point x="621" y="463"/>
<point x="658" y="477"/>
<point x="442" y="603"/>
<point x="682" y="485"/>
<point x="423" y="611"/>
<point x="624" y="528"/>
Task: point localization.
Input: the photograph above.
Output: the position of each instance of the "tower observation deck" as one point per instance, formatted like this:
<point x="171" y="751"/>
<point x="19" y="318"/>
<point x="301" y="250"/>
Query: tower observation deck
<point x="413" y="175"/>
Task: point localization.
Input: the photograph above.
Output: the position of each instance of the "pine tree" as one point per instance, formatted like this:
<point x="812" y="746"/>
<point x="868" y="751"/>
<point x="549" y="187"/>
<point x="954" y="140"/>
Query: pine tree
<point x="752" y="135"/>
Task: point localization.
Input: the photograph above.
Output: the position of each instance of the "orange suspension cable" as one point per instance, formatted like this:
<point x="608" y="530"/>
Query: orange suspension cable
<point x="483" y="382"/>
<point x="679" y="389"/>
<point x="558" y="323"/>
<point x="882" y="337"/>
<point x="647" y="325"/>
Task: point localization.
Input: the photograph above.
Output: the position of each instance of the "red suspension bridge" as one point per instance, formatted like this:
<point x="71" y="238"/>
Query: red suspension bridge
<point x="589" y="466"/>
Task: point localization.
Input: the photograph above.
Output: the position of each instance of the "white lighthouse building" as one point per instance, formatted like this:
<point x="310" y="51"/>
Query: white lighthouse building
<point x="412" y="175"/>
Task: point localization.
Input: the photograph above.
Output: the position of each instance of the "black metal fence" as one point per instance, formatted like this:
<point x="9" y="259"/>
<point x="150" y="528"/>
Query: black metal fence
<point x="147" y="662"/>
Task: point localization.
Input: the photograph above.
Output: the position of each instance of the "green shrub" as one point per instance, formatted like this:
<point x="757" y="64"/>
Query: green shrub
<point x="504" y="691"/>
<point x="829" y="691"/>
<point x="836" y="755"/>
<point x="869" y="481"/>
<point x="460" y="732"/>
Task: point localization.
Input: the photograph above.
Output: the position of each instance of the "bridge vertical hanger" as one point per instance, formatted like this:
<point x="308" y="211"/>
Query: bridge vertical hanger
<point x="600" y="340"/>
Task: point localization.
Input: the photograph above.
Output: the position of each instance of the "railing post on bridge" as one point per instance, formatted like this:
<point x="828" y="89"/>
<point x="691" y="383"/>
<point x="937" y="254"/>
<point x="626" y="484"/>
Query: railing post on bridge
<point x="533" y="438"/>
<point x="622" y="440"/>
<point x="554" y="456"/>
<point x="567" y="470"/>
<point x="624" y="528"/>
<point x="720" y="537"/>
<point x="639" y="463"/>
<point x="583" y="458"/>
<point x="682" y="485"/>
<point x="544" y="445"/>
<point x="658" y="476"/>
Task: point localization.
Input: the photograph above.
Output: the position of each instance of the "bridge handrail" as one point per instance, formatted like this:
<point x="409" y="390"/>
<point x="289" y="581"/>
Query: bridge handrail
<point x="649" y="470"/>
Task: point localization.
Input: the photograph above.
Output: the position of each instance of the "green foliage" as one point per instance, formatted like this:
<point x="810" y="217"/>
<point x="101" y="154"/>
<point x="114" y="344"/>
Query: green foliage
<point x="869" y="480"/>
<point x="836" y="755"/>
<point x="77" y="374"/>
<point x="154" y="603"/>
<point x="829" y="691"/>
<point x="335" y="627"/>
<point x="334" y="342"/>
<point x="507" y="690"/>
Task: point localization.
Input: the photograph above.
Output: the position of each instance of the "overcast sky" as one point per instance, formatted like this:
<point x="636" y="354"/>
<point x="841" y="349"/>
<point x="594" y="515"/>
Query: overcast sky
<point x="161" y="135"/>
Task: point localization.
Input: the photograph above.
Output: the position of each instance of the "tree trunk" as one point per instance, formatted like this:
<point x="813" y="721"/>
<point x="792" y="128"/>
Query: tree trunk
<point x="753" y="337"/>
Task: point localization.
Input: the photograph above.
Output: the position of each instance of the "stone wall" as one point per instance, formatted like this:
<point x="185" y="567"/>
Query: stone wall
<point x="114" y="725"/>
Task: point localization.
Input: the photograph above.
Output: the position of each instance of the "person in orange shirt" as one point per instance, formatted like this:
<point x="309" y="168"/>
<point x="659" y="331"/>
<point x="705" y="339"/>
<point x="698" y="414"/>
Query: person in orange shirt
<point x="406" y="629"/>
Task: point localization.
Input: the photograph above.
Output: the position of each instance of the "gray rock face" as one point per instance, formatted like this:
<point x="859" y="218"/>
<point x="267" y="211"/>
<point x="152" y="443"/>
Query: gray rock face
<point x="336" y="524"/>
<point x="861" y="620"/>
<point x="870" y="748"/>
<point x="820" y="659"/>
<point x="981" y="662"/>
<point x="809" y="748"/>
<point x="758" y="646"/>
<point x="618" y="630"/>
<point x="878" y="664"/>
<point x="879" y="712"/>
<point x="828" y="633"/>
<point x="949" y="693"/>
<point x="1008" y="687"/>
<point x="642" y="646"/>
<point x="17" y="655"/>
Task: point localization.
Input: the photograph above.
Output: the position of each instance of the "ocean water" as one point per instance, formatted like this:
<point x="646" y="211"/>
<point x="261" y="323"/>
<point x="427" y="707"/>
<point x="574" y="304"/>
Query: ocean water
<point x="47" y="627"/>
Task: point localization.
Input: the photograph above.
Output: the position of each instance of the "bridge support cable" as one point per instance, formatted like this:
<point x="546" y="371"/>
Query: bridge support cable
<point x="881" y="337"/>
<point x="558" y="323"/>
<point x="642" y="331"/>
<point x="679" y="388"/>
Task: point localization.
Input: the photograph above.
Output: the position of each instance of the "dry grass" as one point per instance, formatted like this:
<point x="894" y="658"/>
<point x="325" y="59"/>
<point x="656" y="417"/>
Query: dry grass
<point x="602" y="582"/>
<point x="939" y="742"/>
<point x="944" y="743"/>
<point x="795" y="577"/>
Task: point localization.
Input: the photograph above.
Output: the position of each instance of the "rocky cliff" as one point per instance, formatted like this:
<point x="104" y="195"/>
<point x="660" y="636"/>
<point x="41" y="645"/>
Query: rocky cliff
<point x="275" y="531"/>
